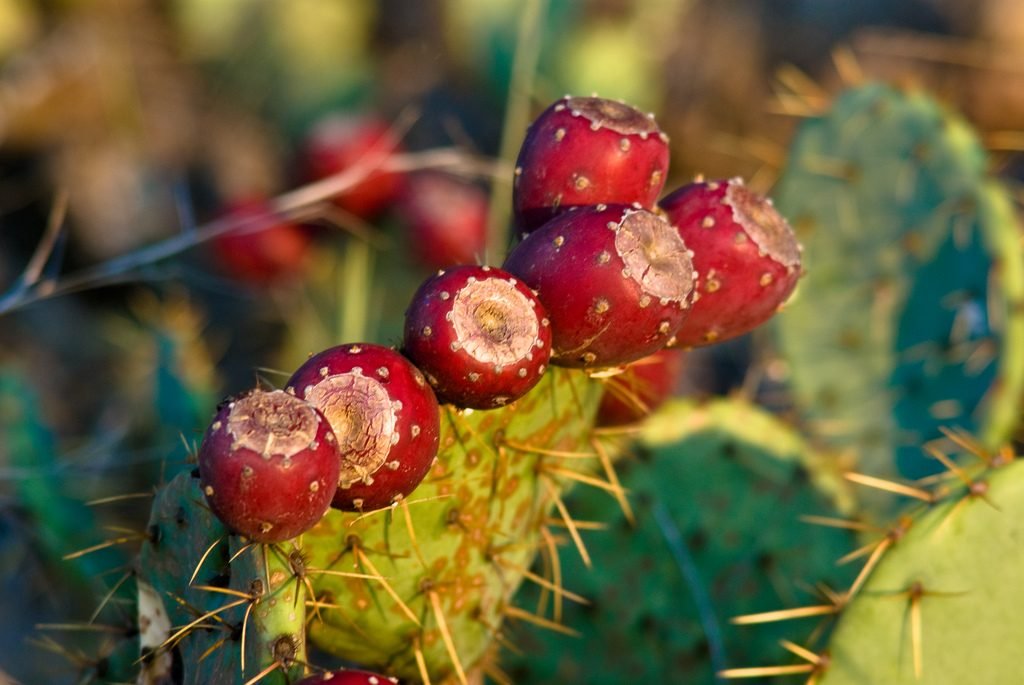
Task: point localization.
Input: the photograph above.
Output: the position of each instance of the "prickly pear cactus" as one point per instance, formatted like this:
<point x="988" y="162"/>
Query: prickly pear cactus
<point x="418" y="590"/>
<point x="909" y="316"/>
<point x="954" y="566"/>
<point x="661" y="593"/>
<point x="476" y="521"/>
<point x="222" y="598"/>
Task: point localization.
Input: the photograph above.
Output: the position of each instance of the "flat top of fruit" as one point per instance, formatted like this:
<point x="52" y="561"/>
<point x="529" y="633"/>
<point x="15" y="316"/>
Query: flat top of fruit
<point x="617" y="116"/>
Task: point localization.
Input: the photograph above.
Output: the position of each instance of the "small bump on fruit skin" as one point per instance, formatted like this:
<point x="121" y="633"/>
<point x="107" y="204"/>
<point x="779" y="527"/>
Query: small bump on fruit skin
<point x="269" y="465"/>
<point x="488" y="341"/>
<point x="746" y="254"/>
<point x="642" y="387"/>
<point x="382" y="411"/>
<point x="617" y="283"/>
<point x="583" y="151"/>
<point x="447" y="219"/>
<point x="348" y="677"/>
<point x="340" y="142"/>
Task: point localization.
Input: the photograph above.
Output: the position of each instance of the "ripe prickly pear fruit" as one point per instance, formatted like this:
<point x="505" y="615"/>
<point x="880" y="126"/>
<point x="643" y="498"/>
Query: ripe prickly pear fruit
<point x="641" y="388"/>
<point x="616" y="281"/>
<point x="264" y="248"/>
<point x="269" y="465"/>
<point x="348" y="677"/>
<point x="342" y="142"/>
<point x="384" y="415"/>
<point x="585" y="151"/>
<point x="447" y="219"/>
<point x="479" y="334"/>
<point x="745" y="253"/>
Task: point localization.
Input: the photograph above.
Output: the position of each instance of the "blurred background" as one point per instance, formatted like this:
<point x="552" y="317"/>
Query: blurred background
<point x="127" y="126"/>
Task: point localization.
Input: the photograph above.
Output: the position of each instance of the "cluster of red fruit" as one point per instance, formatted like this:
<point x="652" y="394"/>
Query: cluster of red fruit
<point x="446" y="217"/>
<point x="603" y="277"/>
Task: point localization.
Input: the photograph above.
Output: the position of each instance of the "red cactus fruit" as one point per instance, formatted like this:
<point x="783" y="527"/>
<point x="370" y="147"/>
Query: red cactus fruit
<point x="348" y="677"/>
<point x="264" y="248"/>
<point x="586" y="151"/>
<point x="269" y="465"/>
<point x="641" y="388"/>
<point x="746" y="254"/>
<point x="480" y="335"/>
<point x="384" y="415"/>
<point x="447" y="219"/>
<point x="616" y="282"/>
<point x="341" y="142"/>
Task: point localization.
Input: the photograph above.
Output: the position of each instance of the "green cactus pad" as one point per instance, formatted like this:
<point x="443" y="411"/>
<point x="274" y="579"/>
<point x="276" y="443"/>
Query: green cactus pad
<point x="909" y="316"/>
<point x="61" y="524"/>
<point x="476" y="519"/>
<point x="964" y="562"/>
<point x="186" y="540"/>
<point x="717" y="492"/>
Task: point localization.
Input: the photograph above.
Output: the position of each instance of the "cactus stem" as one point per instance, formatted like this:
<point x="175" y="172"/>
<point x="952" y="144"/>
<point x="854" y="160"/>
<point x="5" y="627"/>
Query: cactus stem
<point x="245" y="625"/>
<point x="554" y="560"/>
<point x="118" y="498"/>
<point x="421" y="663"/>
<point x="213" y="648"/>
<point x="264" y="673"/>
<point x="202" y="559"/>
<point x="319" y="604"/>
<point x="581" y="525"/>
<point x="967" y="443"/>
<point x="785" y="614"/>
<point x="616" y="431"/>
<point x="570" y="524"/>
<point x="541" y="451"/>
<point x="457" y="417"/>
<point x="585" y="479"/>
<point x="623" y="392"/>
<point x="407" y="514"/>
<point x="80" y="627"/>
<point x="499" y="676"/>
<point x="800" y="651"/>
<point x="828" y="522"/>
<point x="385" y="510"/>
<point x="544" y="582"/>
<point x="113" y="542"/>
<point x="766" y="671"/>
<point x="344" y="574"/>
<point x="613" y="478"/>
<point x="182" y="632"/>
<point x="241" y="550"/>
<point x="847" y="66"/>
<point x="113" y="590"/>
<point x="539" y="621"/>
<point x="449" y="643"/>
<point x="363" y="559"/>
<point x="869" y="566"/>
<point x="890" y="486"/>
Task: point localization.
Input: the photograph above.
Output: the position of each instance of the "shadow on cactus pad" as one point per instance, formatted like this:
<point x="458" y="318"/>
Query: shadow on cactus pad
<point x="717" y="491"/>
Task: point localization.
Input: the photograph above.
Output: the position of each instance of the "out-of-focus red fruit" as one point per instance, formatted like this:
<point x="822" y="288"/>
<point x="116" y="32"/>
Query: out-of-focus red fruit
<point x="746" y="255"/>
<point x="640" y="389"/>
<point x="269" y="465"/>
<point x="616" y="281"/>
<point x="349" y="677"/>
<point x="481" y="336"/>
<point x="384" y="415"/>
<point x="447" y="219"/>
<point x="341" y="142"/>
<point x="586" y="151"/>
<point x="264" y="248"/>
